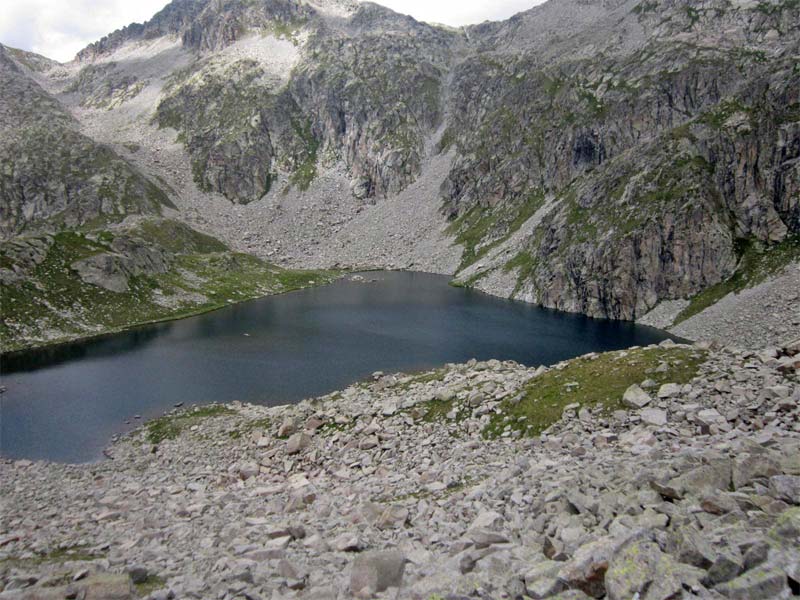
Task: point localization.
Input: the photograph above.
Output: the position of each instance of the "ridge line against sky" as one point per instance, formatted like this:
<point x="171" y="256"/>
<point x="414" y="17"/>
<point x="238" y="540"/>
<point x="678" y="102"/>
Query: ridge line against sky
<point x="58" y="29"/>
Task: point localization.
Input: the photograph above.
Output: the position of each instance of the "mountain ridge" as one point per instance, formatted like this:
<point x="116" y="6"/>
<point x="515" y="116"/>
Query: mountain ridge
<point x="660" y="137"/>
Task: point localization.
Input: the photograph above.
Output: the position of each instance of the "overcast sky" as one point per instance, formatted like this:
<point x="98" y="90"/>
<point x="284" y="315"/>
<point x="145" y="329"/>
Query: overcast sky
<point x="59" y="28"/>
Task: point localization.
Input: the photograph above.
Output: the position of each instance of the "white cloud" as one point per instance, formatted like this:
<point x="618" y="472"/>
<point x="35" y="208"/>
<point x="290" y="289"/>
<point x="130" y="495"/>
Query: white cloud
<point x="59" y="28"/>
<point x="459" y="12"/>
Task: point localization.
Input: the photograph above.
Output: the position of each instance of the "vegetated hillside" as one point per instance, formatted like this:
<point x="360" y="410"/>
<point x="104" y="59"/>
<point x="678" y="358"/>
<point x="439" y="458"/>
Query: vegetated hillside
<point x="594" y="156"/>
<point x="73" y="284"/>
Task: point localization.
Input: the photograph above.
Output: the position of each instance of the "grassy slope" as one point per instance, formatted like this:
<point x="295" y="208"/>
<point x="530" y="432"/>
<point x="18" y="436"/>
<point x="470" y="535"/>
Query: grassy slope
<point x="756" y="264"/>
<point x="602" y="381"/>
<point x="472" y="229"/>
<point x="53" y="304"/>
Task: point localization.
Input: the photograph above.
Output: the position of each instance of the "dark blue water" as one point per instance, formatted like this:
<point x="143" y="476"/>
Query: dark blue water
<point x="65" y="404"/>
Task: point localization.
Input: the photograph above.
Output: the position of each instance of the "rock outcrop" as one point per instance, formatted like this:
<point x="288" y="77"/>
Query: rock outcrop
<point x="52" y="175"/>
<point x="661" y="140"/>
<point x="65" y="286"/>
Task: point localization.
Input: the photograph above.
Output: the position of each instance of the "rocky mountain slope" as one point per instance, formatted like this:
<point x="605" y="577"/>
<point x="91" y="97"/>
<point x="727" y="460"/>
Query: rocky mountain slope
<point x="663" y="148"/>
<point x="89" y="250"/>
<point x="666" y="472"/>
<point x="608" y="157"/>
<point x="622" y="158"/>
<point x="53" y="176"/>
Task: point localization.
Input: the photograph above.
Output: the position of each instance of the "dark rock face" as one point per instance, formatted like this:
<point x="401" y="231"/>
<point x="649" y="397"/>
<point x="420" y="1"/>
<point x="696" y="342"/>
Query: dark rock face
<point x="374" y="100"/>
<point x="51" y="174"/>
<point x="367" y="93"/>
<point x="662" y="147"/>
<point x="100" y="86"/>
<point x="225" y="122"/>
<point x="220" y="24"/>
<point x="171" y="20"/>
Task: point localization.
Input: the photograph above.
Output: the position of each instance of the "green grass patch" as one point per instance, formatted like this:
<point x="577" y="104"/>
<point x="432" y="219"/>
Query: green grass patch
<point x="178" y="237"/>
<point x="78" y="553"/>
<point x="594" y="105"/>
<point x="791" y="112"/>
<point x="289" y="30"/>
<point x="471" y="281"/>
<point x="331" y="427"/>
<point x="148" y="586"/>
<point x="263" y="424"/>
<point x="447" y="141"/>
<point x="770" y="9"/>
<point x="306" y="172"/>
<point x="645" y="7"/>
<point x="757" y="262"/>
<point x="523" y="262"/>
<point x="434" y="411"/>
<point x="421" y="379"/>
<point x="481" y="229"/>
<point x="293" y="280"/>
<point x="601" y="382"/>
<point x="169" y="427"/>
<point x="717" y="117"/>
<point x="470" y="230"/>
<point x="449" y="491"/>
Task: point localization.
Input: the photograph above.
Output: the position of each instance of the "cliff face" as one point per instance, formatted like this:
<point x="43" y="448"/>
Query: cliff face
<point x="365" y="91"/>
<point x="676" y="136"/>
<point x="602" y="156"/>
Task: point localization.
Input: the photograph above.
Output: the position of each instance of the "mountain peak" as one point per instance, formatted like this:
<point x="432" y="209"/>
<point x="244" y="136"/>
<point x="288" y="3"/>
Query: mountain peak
<point x="213" y="24"/>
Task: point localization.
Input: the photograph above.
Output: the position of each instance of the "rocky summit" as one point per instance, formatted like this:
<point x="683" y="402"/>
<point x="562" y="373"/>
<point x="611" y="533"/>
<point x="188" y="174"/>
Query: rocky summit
<point x="628" y="159"/>
<point x="486" y="480"/>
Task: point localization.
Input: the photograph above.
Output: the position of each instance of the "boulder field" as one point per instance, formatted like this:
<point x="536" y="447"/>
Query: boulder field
<point x="470" y="481"/>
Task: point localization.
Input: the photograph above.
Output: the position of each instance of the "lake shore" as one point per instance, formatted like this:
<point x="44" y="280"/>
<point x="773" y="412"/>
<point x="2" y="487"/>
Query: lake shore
<point x="67" y="402"/>
<point x="21" y="349"/>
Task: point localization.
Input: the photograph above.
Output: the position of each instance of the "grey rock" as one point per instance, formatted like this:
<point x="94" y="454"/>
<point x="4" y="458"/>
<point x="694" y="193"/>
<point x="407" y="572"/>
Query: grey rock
<point x="669" y="390"/>
<point x="635" y="397"/>
<point x="586" y="570"/>
<point x="348" y="542"/>
<point x="138" y="574"/>
<point x="287" y="428"/>
<point x="375" y="572"/>
<point x="654" y="416"/>
<point x="786" y="488"/>
<point x="760" y="582"/>
<point x="297" y="443"/>
<point x="483" y="538"/>
<point x="749" y="467"/>
<point x="248" y="470"/>
<point x="639" y="567"/>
